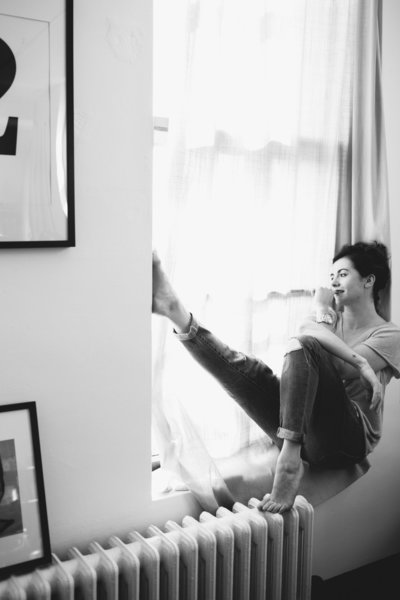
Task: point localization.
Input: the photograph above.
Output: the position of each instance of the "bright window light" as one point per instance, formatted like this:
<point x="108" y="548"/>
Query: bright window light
<point x="245" y="210"/>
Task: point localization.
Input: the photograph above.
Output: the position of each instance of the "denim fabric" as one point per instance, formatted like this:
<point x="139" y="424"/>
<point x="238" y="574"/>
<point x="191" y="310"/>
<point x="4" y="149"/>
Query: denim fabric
<point x="307" y="404"/>
<point x="314" y="405"/>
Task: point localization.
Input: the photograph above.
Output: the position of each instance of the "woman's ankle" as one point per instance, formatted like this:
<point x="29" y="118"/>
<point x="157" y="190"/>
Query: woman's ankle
<point x="290" y="453"/>
<point x="180" y="317"/>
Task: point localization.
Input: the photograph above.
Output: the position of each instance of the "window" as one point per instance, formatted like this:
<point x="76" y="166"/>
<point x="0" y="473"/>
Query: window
<point x="252" y="105"/>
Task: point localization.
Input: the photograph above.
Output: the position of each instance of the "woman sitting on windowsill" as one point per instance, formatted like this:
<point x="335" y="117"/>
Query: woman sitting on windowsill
<point x="326" y="407"/>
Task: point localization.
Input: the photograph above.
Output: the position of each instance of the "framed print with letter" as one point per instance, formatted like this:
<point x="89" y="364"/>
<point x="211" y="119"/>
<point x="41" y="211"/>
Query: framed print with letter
<point x="24" y="534"/>
<point x="36" y="124"/>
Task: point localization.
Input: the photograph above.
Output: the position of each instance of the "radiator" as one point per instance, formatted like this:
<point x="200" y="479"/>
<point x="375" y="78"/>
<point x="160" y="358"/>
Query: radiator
<point x="243" y="554"/>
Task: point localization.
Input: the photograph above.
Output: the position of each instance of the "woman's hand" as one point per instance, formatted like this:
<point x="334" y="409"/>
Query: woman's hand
<point x="324" y="297"/>
<point x="368" y="375"/>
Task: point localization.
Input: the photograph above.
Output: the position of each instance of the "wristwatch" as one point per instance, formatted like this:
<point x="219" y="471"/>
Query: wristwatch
<point x="327" y="318"/>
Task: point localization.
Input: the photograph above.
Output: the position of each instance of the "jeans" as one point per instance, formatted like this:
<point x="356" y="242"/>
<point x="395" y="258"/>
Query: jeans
<point x="307" y="404"/>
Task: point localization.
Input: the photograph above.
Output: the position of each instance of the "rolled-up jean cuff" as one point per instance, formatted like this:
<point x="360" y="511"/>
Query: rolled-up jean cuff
<point x="287" y="434"/>
<point x="193" y="328"/>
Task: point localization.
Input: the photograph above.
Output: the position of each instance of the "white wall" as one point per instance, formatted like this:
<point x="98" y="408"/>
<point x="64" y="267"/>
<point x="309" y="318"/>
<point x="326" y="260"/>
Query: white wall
<point x="75" y="323"/>
<point x="362" y="524"/>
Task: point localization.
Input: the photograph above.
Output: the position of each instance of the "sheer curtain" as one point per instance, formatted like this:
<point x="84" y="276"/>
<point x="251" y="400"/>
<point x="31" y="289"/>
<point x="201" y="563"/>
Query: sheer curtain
<point x="275" y="139"/>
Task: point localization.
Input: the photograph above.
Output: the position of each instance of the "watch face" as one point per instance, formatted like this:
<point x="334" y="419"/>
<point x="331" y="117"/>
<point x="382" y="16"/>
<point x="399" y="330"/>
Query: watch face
<point x="325" y="318"/>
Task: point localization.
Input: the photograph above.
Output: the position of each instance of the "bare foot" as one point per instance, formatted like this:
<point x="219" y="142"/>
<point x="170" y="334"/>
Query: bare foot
<point x="165" y="300"/>
<point x="164" y="296"/>
<point x="288" y="475"/>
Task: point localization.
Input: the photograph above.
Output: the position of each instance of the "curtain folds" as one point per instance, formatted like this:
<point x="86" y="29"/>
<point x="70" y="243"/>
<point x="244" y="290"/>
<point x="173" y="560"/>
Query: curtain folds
<point x="363" y="211"/>
<point x="276" y="155"/>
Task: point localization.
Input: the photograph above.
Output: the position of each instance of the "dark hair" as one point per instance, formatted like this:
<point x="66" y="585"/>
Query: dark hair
<point x="368" y="259"/>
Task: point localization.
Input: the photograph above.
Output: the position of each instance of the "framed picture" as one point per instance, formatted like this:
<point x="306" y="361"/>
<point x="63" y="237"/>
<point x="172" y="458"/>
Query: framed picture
<point x="24" y="533"/>
<point x="36" y="124"/>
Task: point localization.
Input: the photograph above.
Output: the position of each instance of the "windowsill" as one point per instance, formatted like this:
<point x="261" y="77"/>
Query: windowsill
<point x="163" y="486"/>
<point x="159" y="495"/>
<point x="172" y="504"/>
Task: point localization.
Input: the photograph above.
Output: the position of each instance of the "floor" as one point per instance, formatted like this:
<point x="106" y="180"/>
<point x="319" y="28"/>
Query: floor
<point x="378" y="581"/>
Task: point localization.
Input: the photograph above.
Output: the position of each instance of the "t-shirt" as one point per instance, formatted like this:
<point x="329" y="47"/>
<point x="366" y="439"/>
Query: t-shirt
<point x="385" y="341"/>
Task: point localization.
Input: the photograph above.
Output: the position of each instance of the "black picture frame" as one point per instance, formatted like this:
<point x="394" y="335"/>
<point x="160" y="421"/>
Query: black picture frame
<point x="24" y="531"/>
<point x="37" y="199"/>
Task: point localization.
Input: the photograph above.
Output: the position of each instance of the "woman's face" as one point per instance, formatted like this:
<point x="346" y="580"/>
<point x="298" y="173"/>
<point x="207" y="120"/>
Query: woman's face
<point x="347" y="283"/>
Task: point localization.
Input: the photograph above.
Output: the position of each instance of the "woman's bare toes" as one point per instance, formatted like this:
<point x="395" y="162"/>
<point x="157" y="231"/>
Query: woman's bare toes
<point x="284" y="490"/>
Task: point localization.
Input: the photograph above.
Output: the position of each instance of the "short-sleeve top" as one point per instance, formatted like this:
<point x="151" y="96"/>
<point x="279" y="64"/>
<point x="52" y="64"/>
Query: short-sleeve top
<point x="385" y="341"/>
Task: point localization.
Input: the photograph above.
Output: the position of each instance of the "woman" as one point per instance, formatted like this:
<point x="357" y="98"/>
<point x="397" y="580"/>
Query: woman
<point x="326" y="407"/>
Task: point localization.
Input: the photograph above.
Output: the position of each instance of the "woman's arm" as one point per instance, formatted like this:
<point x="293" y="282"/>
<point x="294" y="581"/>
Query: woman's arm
<point x="352" y="363"/>
<point x="318" y="321"/>
<point x="358" y="359"/>
<point x="323" y="303"/>
<point x="331" y="342"/>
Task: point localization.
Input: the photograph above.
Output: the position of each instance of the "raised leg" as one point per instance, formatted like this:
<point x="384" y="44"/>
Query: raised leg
<point x="245" y="378"/>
